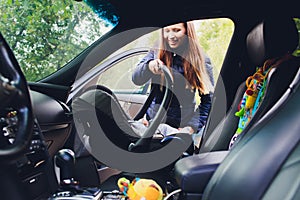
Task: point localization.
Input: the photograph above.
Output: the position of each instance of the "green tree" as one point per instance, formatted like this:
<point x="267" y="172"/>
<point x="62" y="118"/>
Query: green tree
<point x="297" y="21"/>
<point x="46" y="34"/>
<point x="214" y="37"/>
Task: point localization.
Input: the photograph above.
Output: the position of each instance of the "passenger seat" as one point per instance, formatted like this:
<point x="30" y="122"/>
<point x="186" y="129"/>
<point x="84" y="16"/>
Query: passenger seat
<point x="270" y="39"/>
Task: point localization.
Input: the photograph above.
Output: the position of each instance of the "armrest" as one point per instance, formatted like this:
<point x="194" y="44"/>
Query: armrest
<point x="193" y="173"/>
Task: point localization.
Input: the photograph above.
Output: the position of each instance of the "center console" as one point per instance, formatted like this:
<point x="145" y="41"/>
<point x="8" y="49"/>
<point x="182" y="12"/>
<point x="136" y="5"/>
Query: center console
<point x="35" y="168"/>
<point x="194" y="172"/>
<point x="69" y="187"/>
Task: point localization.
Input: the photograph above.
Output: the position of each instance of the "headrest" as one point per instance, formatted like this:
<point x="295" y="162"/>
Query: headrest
<point x="272" y="38"/>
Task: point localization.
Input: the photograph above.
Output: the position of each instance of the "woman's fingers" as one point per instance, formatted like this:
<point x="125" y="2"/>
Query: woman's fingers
<point x="145" y="122"/>
<point x="186" y="129"/>
<point x="155" y="66"/>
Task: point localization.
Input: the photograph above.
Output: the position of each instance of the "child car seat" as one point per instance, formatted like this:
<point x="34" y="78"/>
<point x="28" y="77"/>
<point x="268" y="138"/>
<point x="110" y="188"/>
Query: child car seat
<point x="97" y="113"/>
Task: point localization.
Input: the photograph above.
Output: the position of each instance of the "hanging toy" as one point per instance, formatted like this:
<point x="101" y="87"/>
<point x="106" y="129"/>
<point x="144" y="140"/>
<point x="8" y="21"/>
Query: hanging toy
<point x="254" y="94"/>
<point x="253" y="84"/>
<point x="140" y="189"/>
<point x="245" y="110"/>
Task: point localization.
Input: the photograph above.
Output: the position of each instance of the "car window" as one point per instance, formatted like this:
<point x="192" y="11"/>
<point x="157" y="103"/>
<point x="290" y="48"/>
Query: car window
<point x="44" y="40"/>
<point x="214" y="36"/>
<point x="115" y="72"/>
<point x="118" y="77"/>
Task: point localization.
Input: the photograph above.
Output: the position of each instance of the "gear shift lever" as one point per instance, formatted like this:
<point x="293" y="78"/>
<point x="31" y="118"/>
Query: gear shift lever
<point x="65" y="161"/>
<point x="70" y="189"/>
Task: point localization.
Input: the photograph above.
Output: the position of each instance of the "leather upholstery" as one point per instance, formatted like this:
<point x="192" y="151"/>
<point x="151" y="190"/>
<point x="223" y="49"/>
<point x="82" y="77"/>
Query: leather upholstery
<point x="282" y="33"/>
<point x="262" y="163"/>
<point x="265" y="159"/>
<point x="194" y="172"/>
<point x="221" y="135"/>
<point x="109" y="115"/>
<point x="244" y="174"/>
<point x="272" y="38"/>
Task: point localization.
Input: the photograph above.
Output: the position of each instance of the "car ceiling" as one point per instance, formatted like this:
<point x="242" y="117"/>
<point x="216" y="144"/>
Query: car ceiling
<point x="160" y="13"/>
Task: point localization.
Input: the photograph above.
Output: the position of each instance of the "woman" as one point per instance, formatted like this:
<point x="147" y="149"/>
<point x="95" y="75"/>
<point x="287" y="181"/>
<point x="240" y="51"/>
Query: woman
<point x="192" y="74"/>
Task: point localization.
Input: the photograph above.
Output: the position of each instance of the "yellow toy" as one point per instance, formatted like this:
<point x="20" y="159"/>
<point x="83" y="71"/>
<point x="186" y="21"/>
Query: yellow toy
<point x="140" y="189"/>
<point x="254" y="84"/>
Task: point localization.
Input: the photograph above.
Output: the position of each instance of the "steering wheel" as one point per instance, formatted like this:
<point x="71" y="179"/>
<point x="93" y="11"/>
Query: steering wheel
<point x="145" y="140"/>
<point x="15" y="102"/>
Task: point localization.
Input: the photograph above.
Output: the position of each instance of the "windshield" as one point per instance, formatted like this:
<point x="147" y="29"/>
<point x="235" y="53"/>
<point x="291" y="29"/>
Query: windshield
<point x="45" y="35"/>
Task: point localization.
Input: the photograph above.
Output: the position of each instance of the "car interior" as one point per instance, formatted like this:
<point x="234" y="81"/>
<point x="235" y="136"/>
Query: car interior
<point x="60" y="141"/>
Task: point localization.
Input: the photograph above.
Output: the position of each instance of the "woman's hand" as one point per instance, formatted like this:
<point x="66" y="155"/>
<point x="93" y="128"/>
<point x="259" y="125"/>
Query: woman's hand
<point x="145" y="122"/>
<point x="187" y="129"/>
<point x="154" y="66"/>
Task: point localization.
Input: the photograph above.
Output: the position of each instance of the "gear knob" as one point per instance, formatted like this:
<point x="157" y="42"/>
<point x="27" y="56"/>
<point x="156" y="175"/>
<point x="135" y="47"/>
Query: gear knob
<point x="65" y="161"/>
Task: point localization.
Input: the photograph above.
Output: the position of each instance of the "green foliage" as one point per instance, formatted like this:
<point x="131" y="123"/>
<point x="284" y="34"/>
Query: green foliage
<point x="297" y="21"/>
<point x="214" y="36"/>
<point x="46" y="34"/>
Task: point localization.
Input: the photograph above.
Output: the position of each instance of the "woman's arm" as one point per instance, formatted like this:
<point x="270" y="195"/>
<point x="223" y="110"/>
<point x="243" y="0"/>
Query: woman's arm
<point x="209" y="69"/>
<point x="142" y="73"/>
<point x="201" y="114"/>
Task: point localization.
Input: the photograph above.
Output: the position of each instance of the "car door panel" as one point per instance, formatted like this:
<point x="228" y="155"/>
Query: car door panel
<point x="121" y="67"/>
<point x="131" y="103"/>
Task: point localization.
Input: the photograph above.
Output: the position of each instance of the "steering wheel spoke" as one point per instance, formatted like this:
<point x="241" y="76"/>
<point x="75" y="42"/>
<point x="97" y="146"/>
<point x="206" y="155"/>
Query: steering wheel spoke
<point x="14" y="98"/>
<point x="8" y="89"/>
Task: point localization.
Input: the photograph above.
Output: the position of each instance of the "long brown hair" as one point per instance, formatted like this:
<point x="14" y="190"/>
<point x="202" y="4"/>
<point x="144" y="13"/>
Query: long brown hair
<point x="193" y="60"/>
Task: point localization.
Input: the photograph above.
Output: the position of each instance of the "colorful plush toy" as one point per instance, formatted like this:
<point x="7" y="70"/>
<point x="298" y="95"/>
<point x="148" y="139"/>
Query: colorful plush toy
<point x="252" y="96"/>
<point x="254" y="84"/>
<point x="140" y="189"/>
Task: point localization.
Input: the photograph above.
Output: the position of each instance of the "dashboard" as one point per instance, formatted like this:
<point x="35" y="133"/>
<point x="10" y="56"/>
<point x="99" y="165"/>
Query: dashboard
<point x="54" y="118"/>
<point x="52" y="127"/>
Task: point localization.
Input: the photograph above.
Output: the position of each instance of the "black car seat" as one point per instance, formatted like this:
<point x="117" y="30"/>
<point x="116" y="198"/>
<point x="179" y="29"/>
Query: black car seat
<point x="270" y="39"/>
<point x="101" y="100"/>
<point x="75" y="142"/>
<point x="264" y="164"/>
<point x="99" y="105"/>
<point x="98" y="113"/>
